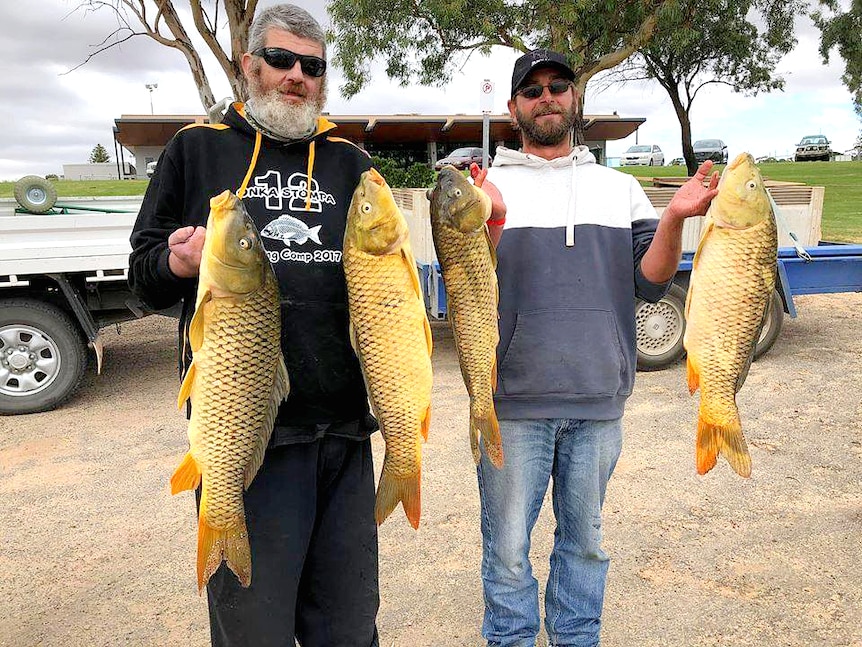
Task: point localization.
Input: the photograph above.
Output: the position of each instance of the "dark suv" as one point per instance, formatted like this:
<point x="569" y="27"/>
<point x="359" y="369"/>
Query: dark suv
<point x="813" y="147"/>
<point x="710" y="149"/>
<point x="461" y="158"/>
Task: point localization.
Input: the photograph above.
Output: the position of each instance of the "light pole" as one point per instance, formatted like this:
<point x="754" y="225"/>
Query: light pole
<point x="151" y="87"/>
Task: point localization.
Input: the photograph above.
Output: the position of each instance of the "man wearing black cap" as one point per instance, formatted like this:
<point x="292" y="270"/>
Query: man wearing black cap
<point x="579" y="243"/>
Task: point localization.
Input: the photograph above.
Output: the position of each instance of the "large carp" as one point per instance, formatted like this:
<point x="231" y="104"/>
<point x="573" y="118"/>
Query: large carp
<point x="732" y="278"/>
<point x="236" y="382"/>
<point x="468" y="263"/>
<point x="391" y="336"/>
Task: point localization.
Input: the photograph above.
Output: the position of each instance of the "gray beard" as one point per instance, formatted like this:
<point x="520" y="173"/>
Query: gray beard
<point x="549" y="135"/>
<point x="282" y="121"/>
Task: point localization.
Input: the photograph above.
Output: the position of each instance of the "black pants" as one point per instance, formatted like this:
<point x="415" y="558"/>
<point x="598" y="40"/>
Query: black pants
<point x="310" y="515"/>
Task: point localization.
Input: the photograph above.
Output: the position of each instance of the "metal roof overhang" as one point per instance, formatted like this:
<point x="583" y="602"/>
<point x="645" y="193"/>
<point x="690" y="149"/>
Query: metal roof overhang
<point x="156" y="130"/>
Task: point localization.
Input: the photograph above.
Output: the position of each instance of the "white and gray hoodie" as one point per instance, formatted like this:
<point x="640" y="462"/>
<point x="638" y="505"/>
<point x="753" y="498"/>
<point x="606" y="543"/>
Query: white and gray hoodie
<point x="569" y="270"/>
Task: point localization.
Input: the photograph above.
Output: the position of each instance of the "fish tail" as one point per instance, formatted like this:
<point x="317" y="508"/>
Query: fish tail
<point x="726" y="439"/>
<point x="393" y="489"/>
<point x="187" y="475"/>
<point x="486" y="426"/>
<point x="314" y="234"/>
<point x="217" y="545"/>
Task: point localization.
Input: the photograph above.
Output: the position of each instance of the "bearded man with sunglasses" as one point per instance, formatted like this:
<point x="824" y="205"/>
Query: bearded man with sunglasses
<point x="310" y="509"/>
<point x="579" y="243"/>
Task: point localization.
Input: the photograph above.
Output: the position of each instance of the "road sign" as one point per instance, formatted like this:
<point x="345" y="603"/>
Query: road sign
<point x="486" y="97"/>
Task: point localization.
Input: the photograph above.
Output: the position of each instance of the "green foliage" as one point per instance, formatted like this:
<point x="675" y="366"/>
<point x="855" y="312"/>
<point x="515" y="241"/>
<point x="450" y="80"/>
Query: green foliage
<point x="843" y="30"/>
<point x="428" y="41"/>
<point x="737" y="43"/>
<point x="99" y="155"/>
<point x="415" y="176"/>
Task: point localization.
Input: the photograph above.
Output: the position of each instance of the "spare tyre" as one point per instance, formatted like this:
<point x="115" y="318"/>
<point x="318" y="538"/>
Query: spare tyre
<point x="35" y="194"/>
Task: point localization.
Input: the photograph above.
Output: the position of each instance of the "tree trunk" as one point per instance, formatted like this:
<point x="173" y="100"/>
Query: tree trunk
<point x="685" y="133"/>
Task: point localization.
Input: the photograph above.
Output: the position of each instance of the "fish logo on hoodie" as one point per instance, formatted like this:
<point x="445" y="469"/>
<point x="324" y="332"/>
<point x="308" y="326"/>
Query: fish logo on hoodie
<point x="289" y="229"/>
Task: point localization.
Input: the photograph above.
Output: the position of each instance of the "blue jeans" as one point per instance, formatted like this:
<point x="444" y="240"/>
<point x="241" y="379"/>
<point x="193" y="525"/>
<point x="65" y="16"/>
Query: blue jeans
<point x="580" y="455"/>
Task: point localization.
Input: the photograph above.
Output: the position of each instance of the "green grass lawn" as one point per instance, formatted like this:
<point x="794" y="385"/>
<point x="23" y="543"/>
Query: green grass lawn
<point x="842" y="200"/>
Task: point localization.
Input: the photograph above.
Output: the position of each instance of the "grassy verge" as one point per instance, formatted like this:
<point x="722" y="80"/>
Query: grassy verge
<point x="842" y="204"/>
<point x="842" y="201"/>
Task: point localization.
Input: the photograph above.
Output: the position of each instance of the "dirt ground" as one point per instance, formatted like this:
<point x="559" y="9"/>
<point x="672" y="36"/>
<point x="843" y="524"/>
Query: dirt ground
<point x="95" y="551"/>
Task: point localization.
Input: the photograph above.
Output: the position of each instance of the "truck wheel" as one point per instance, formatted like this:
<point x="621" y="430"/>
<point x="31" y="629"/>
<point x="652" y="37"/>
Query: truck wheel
<point x="772" y="325"/>
<point x="35" y="194"/>
<point x="660" y="329"/>
<point x="42" y="356"/>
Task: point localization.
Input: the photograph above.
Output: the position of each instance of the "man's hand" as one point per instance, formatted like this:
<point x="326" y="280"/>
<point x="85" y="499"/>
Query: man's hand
<point x="692" y="198"/>
<point x="186" y="245"/>
<point x="498" y="207"/>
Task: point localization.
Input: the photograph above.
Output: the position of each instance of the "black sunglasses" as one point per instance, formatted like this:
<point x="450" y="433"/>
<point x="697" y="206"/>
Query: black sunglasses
<point x="557" y="86"/>
<point x="284" y="59"/>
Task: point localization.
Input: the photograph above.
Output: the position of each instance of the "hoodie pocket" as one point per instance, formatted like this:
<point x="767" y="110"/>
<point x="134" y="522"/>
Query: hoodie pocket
<point x="565" y="351"/>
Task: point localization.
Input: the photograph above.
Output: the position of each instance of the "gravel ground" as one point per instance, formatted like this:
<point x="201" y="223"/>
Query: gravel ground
<point x="95" y="551"/>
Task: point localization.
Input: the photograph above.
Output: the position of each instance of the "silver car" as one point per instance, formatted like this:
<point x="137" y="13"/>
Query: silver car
<point x="642" y="155"/>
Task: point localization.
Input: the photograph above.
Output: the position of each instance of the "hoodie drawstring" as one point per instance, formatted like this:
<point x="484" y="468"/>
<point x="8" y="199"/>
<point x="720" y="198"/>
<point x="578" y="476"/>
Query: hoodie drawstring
<point x="573" y="203"/>
<point x="308" y="175"/>
<point x="242" y="187"/>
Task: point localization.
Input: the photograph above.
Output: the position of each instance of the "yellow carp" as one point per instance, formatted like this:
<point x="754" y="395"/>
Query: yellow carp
<point x="468" y="262"/>
<point x="235" y="382"/>
<point x="732" y="278"/>
<point x="391" y="336"/>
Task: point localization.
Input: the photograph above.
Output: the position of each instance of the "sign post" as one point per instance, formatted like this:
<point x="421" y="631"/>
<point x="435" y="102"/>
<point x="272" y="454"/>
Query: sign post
<point x="486" y="103"/>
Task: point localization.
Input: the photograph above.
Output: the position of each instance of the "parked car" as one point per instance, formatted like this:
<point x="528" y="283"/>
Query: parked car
<point x="461" y="158"/>
<point x="677" y="161"/>
<point x="151" y="168"/>
<point x="710" y="149"/>
<point x="813" y="147"/>
<point x="642" y="155"/>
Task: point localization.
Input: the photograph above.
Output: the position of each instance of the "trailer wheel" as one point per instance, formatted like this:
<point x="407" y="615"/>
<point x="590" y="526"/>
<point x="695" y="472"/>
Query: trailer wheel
<point x="35" y="194"/>
<point x="772" y="325"/>
<point x="660" y="329"/>
<point x="43" y="356"/>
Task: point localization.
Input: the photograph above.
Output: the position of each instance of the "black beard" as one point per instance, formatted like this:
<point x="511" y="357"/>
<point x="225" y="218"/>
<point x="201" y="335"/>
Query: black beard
<point x="551" y="134"/>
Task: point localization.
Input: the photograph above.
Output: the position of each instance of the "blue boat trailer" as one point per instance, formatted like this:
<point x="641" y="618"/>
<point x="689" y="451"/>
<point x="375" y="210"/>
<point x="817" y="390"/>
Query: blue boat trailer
<point x="830" y="268"/>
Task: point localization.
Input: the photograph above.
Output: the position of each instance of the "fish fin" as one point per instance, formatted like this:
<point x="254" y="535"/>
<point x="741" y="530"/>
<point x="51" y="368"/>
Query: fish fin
<point x="426" y="423"/>
<point x="407" y="256"/>
<point x="186" y="387"/>
<point x="726" y="439"/>
<point x="491" y="247"/>
<point x="280" y="391"/>
<point x="692" y="374"/>
<point x="187" y="476"/>
<point x="214" y="546"/>
<point x="393" y="489"/>
<point x="494" y="376"/>
<point x="353" y="343"/>
<point x="314" y="234"/>
<point x="429" y="340"/>
<point x="196" y="327"/>
<point x="488" y="428"/>
<point x="743" y="373"/>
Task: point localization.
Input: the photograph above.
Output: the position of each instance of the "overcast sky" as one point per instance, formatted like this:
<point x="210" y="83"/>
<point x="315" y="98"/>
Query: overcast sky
<point x="52" y="116"/>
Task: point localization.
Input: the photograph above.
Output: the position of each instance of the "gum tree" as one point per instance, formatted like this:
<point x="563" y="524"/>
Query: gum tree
<point x="427" y="41"/>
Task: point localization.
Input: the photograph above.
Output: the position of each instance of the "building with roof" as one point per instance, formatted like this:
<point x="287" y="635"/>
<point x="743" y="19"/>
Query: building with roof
<point x="407" y="137"/>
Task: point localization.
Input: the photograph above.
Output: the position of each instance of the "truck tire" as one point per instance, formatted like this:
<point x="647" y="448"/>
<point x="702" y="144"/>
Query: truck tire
<point x="35" y="194"/>
<point x="43" y="356"/>
<point x="772" y="325"/>
<point x="660" y="328"/>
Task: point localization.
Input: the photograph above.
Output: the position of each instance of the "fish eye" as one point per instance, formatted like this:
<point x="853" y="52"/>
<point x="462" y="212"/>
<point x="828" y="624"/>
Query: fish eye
<point x="751" y="184"/>
<point x="245" y="243"/>
<point x="366" y="207"/>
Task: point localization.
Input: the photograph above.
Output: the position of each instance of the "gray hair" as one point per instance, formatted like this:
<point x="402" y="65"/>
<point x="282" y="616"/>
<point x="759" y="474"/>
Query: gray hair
<point x="287" y="17"/>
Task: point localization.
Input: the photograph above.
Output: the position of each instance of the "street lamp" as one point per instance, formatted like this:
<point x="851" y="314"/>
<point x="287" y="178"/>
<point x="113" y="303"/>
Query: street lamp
<point x="151" y="87"/>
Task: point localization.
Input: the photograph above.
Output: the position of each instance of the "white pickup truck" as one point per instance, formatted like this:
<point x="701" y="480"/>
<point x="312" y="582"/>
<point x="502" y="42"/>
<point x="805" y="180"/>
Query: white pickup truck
<point x="62" y="279"/>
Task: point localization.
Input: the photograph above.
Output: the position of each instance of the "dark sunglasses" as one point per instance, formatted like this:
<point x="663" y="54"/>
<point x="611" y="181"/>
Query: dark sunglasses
<point x="557" y="86"/>
<point x="284" y="59"/>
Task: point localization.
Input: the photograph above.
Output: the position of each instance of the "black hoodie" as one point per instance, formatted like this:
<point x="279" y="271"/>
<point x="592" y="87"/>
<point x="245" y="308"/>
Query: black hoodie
<point x="303" y="233"/>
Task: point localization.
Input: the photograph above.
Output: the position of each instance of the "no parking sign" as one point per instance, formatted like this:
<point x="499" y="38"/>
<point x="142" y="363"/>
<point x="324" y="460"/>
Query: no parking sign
<point x="486" y="97"/>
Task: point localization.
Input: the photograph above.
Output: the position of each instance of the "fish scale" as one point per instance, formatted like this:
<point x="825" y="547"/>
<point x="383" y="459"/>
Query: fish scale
<point x="468" y="265"/>
<point x="235" y="382"/>
<point x="733" y="276"/>
<point x="391" y="337"/>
